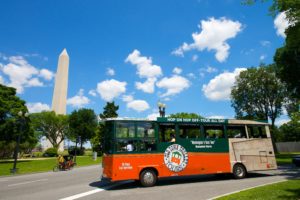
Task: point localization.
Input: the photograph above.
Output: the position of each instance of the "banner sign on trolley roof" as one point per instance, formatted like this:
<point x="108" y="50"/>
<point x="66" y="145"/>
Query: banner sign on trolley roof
<point x="192" y="120"/>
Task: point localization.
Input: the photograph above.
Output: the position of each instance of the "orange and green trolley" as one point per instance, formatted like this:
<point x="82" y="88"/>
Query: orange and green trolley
<point x="201" y="146"/>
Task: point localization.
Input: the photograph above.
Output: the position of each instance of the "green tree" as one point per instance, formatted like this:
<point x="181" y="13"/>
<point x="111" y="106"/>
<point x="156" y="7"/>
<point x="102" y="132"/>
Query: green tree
<point x="291" y="7"/>
<point x="110" y="110"/>
<point x="185" y="115"/>
<point x="83" y="123"/>
<point x="10" y="124"/>
<point x="287" y="58"/>
<point x="53" y="127"/>
<point x="258" y="94"/>
<point x="291" y="131"/>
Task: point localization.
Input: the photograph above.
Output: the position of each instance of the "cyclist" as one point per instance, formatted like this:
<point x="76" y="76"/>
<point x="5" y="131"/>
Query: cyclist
<point x="61" y="161"/>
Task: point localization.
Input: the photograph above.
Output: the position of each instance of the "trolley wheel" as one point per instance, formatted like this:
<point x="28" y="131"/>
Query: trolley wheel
<point x="239" y="171"/>
<point x="55" y="168"/>
<point x="148" y="178"/>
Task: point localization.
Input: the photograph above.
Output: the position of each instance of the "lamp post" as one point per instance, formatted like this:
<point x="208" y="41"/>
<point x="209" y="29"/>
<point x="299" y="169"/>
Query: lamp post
<point x="77" y="141"/>
<point x="22" y="120"/>
<point x="162" y="109"/>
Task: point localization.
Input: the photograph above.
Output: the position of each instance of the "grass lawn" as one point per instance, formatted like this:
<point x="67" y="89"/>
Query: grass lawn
<point x="41" y="165"/>
<point x="285" y="158"/>
<point x="284" y="190"/>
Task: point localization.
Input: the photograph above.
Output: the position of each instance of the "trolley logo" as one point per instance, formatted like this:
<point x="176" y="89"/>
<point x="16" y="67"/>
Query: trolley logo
<point x="176" y="158"/>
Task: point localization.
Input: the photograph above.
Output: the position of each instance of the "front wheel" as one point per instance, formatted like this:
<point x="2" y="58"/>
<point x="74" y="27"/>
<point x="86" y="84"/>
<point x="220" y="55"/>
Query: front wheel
<point x="239" y="171"/>
<point x="148" y="178"/>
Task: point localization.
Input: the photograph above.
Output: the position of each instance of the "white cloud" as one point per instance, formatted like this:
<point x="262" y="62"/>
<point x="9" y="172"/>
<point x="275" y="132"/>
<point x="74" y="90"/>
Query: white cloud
<point x="138" y="105"/>
<point x="37" y="107"/>
<point x="262" y="57"/>
<point x="153" y="116"/>
<point x="173" y="85"/>
<point x="145" y="68"/>
<point x="147" y="86"/>
<point x="22" y="74"/>
<point x="93" y="93"/>
<point x="177" y="70"/>
<point x="280" y="24"/>
<point x="284" y="110"/>
<point x="191" y="75"/>
<point x="194" y="58"/>
<point x="19" y="60"/>
<point x="280" y="122"/>
<point x="110" y="72"/>
<point x="34" y="82"/>
<point x="213" y="36"/>
<point x="111" y="89"/>
<point x="79" y="100"/>
<point x="46" y="74"/>
<point x="210" y="69"/>
<point x="265" y="43"/>
<point x="219" y="88"/>
<point x="127" y="98"/>
<point x="247" y="52"/>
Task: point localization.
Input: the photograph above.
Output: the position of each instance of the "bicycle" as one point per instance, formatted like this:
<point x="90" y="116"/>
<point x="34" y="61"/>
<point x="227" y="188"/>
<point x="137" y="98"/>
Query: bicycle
<point x="68" y="164"/>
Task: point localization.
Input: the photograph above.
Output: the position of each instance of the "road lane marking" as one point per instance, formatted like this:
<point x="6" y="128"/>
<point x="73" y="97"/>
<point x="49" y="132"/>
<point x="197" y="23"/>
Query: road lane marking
<point x="80" y="195"/>
<point x="229" y="193"/>
<point x="27" y="182"/>
<point x="3" y="180"/>
<point x="77" y="196"/>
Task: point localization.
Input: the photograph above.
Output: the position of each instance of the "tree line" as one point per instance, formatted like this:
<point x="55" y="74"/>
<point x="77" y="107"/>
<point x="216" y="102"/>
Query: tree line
<point x="82" y="123"/>
<point x="266" y="91"/>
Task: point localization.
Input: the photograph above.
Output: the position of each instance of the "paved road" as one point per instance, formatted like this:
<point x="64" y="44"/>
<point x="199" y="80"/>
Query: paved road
<point x="84" y="183"/>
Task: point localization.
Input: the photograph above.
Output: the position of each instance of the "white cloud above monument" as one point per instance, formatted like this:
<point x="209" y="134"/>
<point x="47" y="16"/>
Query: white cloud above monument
<point x="111" y="89"/>
<point x="21" y="74"/>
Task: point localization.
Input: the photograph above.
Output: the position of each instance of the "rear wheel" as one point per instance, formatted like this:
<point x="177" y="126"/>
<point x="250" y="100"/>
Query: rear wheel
<point x="239" y="171"/>
<point x="148" y="178"/>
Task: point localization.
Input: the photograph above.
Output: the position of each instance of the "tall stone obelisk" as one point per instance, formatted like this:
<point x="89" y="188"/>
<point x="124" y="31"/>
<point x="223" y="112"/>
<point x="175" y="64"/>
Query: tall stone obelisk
<point x="59" y="100"/>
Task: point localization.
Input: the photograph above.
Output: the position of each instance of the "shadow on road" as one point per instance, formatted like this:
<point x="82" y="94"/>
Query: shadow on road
<point x="122" y="185"/>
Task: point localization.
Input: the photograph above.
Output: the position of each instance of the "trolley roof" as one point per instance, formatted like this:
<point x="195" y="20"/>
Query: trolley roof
<point x="191" y="120"/>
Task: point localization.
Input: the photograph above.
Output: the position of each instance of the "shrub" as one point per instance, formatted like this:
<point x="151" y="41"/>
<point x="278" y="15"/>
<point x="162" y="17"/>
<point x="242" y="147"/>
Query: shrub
<point x="7" y="149"/>
<point x="88" y="153"/>
<point x="51" y="152"/>
<point x="37" y="154"/>
<point x="79" y="152"/>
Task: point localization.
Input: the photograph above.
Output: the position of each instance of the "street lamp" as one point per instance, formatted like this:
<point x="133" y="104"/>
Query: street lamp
<point x="78" y="139"/>
<point x="162" y="109"/>
<point x="22" y="119"/>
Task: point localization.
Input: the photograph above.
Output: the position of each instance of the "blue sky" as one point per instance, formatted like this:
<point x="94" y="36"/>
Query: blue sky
<point x="183" y="53"/>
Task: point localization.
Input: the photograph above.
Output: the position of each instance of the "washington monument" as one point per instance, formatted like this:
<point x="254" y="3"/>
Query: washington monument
<point x="59" y="101"/>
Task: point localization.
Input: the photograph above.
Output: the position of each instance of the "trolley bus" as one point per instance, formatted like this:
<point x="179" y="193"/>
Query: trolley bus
<point x="147" y="150"/>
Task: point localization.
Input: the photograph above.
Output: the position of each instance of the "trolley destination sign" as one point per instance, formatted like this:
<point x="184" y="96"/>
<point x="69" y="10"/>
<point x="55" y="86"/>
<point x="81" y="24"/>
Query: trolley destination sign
<point x="192" y="120"/>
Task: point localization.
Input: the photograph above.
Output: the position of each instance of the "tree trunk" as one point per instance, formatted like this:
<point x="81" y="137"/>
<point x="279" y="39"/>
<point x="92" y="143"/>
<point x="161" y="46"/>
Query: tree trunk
<point x="271" y="132"/>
